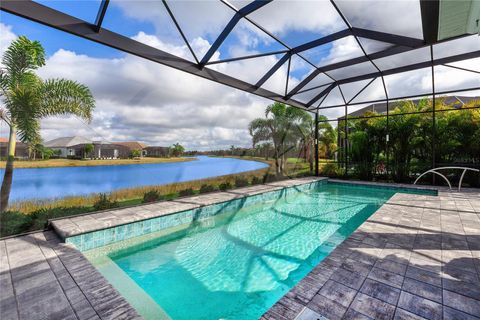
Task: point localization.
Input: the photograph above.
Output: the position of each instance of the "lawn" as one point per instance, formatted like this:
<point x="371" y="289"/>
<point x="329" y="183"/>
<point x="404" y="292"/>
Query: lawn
<point x="85" y="163"/>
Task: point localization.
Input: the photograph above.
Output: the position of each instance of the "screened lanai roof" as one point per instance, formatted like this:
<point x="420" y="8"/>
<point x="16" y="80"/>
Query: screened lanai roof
<point x="309" y="54"/>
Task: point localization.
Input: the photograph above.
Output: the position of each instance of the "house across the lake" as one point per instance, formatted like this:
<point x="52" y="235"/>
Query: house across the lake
<point x="156" y="151"/>
<point x="133" y="146"/>
<point x="21" y="149"/>
<point x="82" y="147"/>
<point x="78" y="147"/>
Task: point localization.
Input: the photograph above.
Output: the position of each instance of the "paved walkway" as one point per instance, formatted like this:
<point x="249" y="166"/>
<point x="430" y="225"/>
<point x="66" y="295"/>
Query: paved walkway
<point x="41" y="278"/>
<point x="417" y="257"/>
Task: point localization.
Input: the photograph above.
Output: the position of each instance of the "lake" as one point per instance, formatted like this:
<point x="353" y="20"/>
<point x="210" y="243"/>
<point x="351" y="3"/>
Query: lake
<point x="50" y="183"/>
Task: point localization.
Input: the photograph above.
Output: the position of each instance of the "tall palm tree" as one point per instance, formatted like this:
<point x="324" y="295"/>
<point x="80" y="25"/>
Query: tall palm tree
<point x="177" y="149"/>
<point x="327" y="135"/>
<point x="280" y="127"/>
<point x="27" y="99"/>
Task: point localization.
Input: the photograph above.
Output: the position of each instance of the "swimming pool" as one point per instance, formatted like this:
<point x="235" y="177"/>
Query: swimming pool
<point x="237" y="262"/>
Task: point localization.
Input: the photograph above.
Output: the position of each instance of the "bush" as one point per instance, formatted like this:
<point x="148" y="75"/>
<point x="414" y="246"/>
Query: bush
<point x="136" y="153"/>
<point x="257" y="180"/>
<point x="207" y="188"/>
<point x="186" y="192"/>
<point x="41" y="217"/>
<point x="13" y="222"/>
<point x="269" y="178"/>
<point x="241" y="182"/>
<point x="151" y="196"/>
<point x="225" y="186"/>
<point x="330" y="170"/>
<point x="104" y="203"/>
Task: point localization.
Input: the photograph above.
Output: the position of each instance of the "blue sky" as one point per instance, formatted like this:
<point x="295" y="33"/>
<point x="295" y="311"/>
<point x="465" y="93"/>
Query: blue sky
<point x="116" y="20"/>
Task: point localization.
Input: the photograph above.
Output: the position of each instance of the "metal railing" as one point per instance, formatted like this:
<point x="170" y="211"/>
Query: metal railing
<point x="465" y="169"/>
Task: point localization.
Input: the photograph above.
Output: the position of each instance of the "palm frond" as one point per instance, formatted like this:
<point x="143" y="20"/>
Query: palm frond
<point x="23" y="104"/>
<point x="60" y="96"/>
<point x="23" y="55"/>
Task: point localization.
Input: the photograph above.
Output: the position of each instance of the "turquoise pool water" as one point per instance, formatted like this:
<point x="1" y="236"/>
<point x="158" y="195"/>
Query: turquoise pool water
<point x="237" y="264"/>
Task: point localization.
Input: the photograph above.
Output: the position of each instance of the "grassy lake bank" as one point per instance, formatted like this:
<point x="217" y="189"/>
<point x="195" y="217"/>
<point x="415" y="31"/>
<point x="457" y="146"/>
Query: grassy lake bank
<point x="58" y="163"/>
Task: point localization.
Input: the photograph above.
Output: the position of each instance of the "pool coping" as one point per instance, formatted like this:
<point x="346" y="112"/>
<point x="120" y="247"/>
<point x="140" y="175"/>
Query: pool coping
<point x="100" y="220"/>
<point x="106" y="219"/>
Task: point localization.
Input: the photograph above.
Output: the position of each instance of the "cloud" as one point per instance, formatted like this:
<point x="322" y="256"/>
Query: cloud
<point x="282" y="17"/>
<point x="400" y="17"/>
<point x="6" y="37"/>
<point x="141" y="100"/>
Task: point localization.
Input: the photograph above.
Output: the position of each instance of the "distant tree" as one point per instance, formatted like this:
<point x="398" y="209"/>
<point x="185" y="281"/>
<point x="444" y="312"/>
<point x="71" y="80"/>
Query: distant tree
<point x="327" y="136"/>
<point x="45" y="153"/>
<point x="279" y="127"/>
<point x="39" y="149"/>
<point x="177" y="150"/>
<point x="88" y="149"/>
<point x="27" y="99"/>
<point x="136" y="153"/>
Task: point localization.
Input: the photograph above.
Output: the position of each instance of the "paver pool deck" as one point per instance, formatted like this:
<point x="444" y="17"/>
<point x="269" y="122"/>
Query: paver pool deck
<point x="417" y="257"/>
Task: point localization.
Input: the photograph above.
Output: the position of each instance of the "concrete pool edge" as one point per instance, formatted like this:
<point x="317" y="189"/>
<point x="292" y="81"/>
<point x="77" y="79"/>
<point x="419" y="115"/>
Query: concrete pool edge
<point x="90" y="222"/>
<point x="101" y="220"/>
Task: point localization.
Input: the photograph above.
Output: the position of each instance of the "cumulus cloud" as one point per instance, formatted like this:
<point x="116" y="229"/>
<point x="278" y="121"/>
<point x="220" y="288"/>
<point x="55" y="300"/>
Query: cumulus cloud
<point x="140" y="100"/>
<point x="281" y="17"/>
<point x="6" y="36"/>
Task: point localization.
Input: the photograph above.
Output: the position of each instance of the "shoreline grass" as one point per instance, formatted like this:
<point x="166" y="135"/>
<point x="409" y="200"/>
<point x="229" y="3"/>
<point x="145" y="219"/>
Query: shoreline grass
<point x="59" y="163"/>
<point x="130" y="194"/>
<point x="32" y="215"/>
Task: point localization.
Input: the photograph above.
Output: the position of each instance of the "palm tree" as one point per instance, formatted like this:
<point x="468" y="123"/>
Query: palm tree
<point x="306" y="129"/>
<point x="177" y="149"/>
<point x="280" y="128"/>
<point x="27" y="98"/>
<point x="327" y="136"/>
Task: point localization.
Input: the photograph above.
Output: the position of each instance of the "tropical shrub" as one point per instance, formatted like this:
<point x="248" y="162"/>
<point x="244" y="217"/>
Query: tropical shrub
<point x="207" y="188"/>
<point x="257" y="180"/>
<point x="225" y="186"/>
<point x="13" y="222"/>
<point x="89" y="148"/>
<point x="186" y="192"/>
<point x="136" y="153"/>
<point x="104" y="202"/>
<point x="151" y="196"/>
<point x="241" y="182"/>
<point x="270" y="178"/>
<point x="412" y="140"/>
<point x="329" y="170"/>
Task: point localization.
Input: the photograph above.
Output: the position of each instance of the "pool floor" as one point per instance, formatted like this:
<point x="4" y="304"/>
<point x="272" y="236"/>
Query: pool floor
<point x="236" y="265"/>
